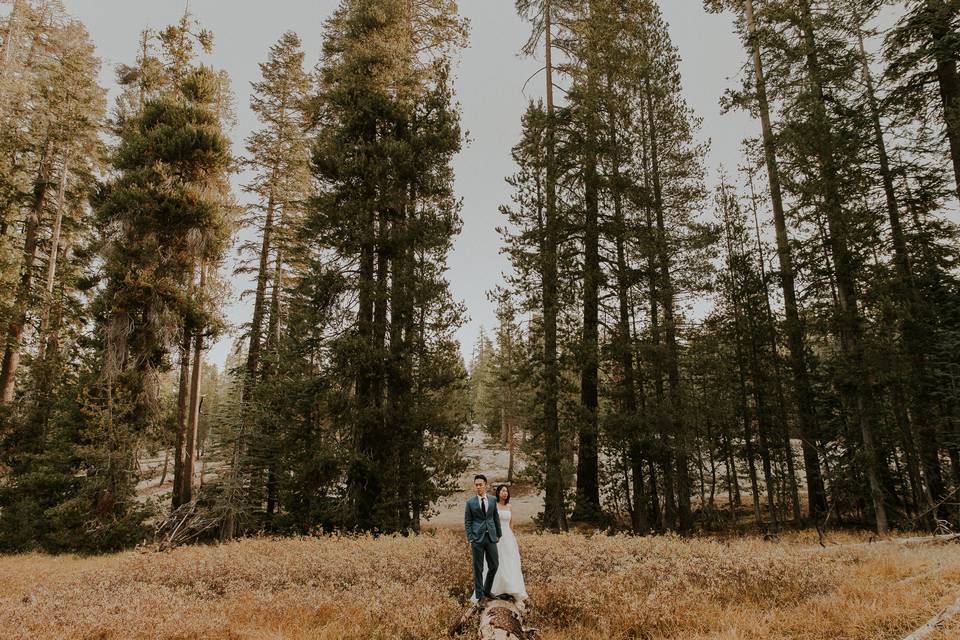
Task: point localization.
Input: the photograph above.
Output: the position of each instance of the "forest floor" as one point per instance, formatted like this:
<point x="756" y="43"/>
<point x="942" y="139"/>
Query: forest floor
<point x="581" y="587"/>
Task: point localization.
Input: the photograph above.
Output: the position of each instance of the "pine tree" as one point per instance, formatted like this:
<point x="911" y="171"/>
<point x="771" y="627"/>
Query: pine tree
<point x="922" y="54"/>
<point x="278" y="153"/>
<point x="387" y="132"/>
<point x="63" y="121"/>
<point x="794" y="327"/>
<point x="544" y="15"/>
<point x="166" y="215"/>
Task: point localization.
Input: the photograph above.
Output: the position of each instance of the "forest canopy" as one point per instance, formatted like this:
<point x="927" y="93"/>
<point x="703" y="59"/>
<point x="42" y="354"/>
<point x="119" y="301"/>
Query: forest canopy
<point x="677" y="348"/>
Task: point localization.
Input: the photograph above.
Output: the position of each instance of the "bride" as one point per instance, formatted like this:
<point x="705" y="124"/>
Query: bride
<point x="509" y="577"/>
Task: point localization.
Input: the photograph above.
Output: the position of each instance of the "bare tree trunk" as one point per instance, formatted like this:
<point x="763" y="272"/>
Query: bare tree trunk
<point x="52" y="261"/>
<point x="191" y="444"/>
<point x="667" y="518"/>
<point x="510" y="452"/>
<point x="259" y="302"/>
<point x="624" y="339"/>
<point x="940" y="16"/>
<point x="180" y="468"/>
<point x="256" y="327"/>
<point x="502" y="620"/>
<point x="554" y="511"/>
<point x="744" y="404"/>
<point x="738" y="320"/>
<point x="587" y="507"/>
<point x="358" y="474"/>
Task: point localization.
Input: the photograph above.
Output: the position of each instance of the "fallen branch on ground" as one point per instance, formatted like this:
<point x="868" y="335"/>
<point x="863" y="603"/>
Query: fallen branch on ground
<point x="933" y="623"/>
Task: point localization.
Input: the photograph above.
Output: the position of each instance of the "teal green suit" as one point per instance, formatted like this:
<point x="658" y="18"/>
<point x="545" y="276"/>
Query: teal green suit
<point x="483" y="532"/>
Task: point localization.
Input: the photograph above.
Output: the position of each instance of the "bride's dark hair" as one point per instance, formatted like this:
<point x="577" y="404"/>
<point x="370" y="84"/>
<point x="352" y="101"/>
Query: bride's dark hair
<point x="497" y="493"/>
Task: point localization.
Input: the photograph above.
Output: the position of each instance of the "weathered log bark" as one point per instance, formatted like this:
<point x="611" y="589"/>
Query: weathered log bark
<point x="499" y="620"/>
<point x="502" y="620"/>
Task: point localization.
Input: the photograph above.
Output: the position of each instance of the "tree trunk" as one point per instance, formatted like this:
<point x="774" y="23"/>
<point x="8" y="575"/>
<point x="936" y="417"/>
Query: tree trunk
<point x="587" y="506"/>
<point x="784" y="424"/>
<point x="502" y="620"/>
<point x="554" y="511"/>
<point x="360" y="481"/>
<point x="510" y="452"/>
<point x="399" y="384"/>
<point x="52" y="262"/>
<point x="667" y="517"/>
<point x="849" y="321"/>
<point x="940" y="15"/>
<point x="259" y="302"/>
<point x="190" y="445"/>
<point x="915" y="337"/>
<point x="677" y="422"/>
<point x="624" y="344"/>
<point x="741" y="365"/>
<point x="183" y="397"/>
<point x="806" y="413"/>
<point x="757" y="377"/>
<point x="18" y="316"/>
<point x="166" y="462"/>
<point x="273" y="323"/>
<point x="733" y="477"/>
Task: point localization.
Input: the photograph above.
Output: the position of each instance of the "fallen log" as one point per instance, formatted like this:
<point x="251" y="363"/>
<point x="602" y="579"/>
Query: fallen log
<point x="499" y="620"/>
<point x="456" y="628"/>
<point x="919" y="541"/>
<point x="934" y="623"/>
<point x="502" y="620"/>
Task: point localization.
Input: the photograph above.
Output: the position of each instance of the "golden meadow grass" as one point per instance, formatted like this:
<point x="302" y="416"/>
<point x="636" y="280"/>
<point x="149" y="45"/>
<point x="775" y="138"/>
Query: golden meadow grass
<point x="580" y="587"/>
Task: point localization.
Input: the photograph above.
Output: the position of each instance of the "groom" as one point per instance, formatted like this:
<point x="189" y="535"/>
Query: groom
<point x="482" y="524"/>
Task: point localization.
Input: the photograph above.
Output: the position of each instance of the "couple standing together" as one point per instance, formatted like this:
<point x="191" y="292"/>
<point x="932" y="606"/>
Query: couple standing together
<point x="496" y="555"/>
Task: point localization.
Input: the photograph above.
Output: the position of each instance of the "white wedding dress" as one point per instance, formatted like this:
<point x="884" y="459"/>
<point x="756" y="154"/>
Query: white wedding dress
<point x="509" y="576"/>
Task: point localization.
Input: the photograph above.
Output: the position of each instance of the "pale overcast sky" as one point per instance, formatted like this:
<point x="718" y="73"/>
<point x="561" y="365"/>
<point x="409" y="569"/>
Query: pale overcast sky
<point x="490" y="77"/>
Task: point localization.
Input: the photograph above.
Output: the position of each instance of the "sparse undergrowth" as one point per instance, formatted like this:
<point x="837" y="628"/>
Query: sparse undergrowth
<point x="394" y="587"/>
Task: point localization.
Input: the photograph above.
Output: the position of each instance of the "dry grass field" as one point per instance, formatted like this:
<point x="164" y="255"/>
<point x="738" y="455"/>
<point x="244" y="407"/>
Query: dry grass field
<point x="580" y="587"/>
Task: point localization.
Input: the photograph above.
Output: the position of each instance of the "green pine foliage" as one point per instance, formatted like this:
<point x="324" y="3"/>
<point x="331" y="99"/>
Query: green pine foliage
<point x="674" y="350"/>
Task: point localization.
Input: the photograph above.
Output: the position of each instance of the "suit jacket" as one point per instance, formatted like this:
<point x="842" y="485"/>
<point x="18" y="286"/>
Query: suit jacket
<point x="476" y="525"/>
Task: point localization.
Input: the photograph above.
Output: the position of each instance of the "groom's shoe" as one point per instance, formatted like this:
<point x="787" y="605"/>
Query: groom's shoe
<point x="484" y="601"/>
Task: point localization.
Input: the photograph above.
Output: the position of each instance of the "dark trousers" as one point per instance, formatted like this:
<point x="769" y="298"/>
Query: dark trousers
<point x="485" y="548"/>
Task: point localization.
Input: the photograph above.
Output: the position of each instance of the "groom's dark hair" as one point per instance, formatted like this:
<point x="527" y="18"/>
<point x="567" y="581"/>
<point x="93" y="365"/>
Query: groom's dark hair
<point x="479" y="476"/>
